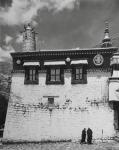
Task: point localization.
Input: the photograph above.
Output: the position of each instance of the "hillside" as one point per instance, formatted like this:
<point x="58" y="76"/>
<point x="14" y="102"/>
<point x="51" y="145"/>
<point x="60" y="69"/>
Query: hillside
<point x="5" y="68"/>
<point x="5" y="81"/>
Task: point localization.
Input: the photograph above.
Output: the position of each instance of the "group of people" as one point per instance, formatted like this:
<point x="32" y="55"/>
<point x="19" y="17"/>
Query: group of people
<point x="87" y="134"/>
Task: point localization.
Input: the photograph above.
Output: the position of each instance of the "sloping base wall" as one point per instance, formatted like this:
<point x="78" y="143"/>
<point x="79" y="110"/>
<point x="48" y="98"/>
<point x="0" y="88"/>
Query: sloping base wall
<point x="43" y="125"/>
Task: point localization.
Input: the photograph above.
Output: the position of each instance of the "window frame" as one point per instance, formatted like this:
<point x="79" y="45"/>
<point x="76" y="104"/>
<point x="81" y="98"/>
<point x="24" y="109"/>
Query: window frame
<point x="55" y="74"/>
<point x="83" y="79"/>
<point x="61" y="75"/>
<point x="33" y="75"/>
<point x="51" y="102"/>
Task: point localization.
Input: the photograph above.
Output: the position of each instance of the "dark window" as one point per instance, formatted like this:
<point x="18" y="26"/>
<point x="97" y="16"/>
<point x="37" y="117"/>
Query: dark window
<point x="31" y="76"/>
<point x="79" y="75"/>
<point x="50" y="100"/>
<point x="55" y="76"/>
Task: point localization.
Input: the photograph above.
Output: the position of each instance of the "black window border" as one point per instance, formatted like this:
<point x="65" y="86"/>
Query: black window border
<point x="26" y="68"/>
<point x="73" y="74"/>
<point x="48" y="82"/>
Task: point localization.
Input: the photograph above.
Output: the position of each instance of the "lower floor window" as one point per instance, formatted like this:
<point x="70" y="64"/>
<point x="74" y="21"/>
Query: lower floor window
<point x="51" y="104"/>
<point x="50" y="101"/>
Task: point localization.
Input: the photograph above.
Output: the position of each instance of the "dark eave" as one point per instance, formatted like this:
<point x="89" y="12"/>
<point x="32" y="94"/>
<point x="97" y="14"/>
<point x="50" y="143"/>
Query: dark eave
<point x="64" y="52"/>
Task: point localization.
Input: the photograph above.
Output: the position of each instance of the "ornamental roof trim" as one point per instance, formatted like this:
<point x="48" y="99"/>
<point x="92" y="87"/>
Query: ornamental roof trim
<point x="65" y="51"/>
<point x="77" y="49"/>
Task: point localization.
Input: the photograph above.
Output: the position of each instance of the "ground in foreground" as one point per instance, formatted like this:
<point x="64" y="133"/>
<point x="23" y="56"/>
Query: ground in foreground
<point x="109" y="145"/>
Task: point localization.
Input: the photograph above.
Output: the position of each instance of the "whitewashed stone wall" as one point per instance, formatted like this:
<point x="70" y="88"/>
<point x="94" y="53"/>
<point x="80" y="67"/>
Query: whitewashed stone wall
<point x="88" y="107"/>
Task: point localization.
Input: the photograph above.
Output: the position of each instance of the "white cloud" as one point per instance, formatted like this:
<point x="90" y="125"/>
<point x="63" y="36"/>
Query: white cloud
<point x="8" y="39"/>
<point x="19" y="38"/>
<point x="5" y="52"/>
<point x="59" y="5"/>
<point x="34" y="23"/>
<point x="22" y="11"/>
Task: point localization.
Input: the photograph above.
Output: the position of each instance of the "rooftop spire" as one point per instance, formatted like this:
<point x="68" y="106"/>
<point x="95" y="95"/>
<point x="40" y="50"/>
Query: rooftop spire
<point x="106" y="36"/>
<point x="29" y="41"/>
<point x="106" y="42"/>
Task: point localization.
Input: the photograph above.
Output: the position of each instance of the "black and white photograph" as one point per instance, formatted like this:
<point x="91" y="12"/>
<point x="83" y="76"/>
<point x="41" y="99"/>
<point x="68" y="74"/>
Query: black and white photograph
<point x="59" y="74"/>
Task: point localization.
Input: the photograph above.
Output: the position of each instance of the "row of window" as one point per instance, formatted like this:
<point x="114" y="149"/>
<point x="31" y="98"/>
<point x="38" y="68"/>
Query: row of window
<point x="56" y="75"/>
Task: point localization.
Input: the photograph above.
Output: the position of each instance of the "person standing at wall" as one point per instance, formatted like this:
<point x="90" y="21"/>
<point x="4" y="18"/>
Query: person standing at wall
<point x="83" y="136"/>
<point x="89" y="136"/>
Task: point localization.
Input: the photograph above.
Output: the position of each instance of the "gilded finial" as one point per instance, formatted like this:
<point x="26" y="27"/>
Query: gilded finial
<point x="107" y="25"/>
<point x="106" y="42"/>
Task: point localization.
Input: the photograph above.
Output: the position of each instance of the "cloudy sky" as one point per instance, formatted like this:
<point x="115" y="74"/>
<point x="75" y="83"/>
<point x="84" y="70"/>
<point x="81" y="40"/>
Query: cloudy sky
<point x="59" y="23"/>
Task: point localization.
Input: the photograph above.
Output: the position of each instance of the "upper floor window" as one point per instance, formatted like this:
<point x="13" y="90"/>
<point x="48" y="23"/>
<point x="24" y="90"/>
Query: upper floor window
<point x="55" y="76"/>
<point x="79" y="75"/>
<point x="31" y="75"/>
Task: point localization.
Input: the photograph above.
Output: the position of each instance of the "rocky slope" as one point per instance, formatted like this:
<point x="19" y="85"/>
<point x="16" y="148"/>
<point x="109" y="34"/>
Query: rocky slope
<point x="5" y="81"/>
